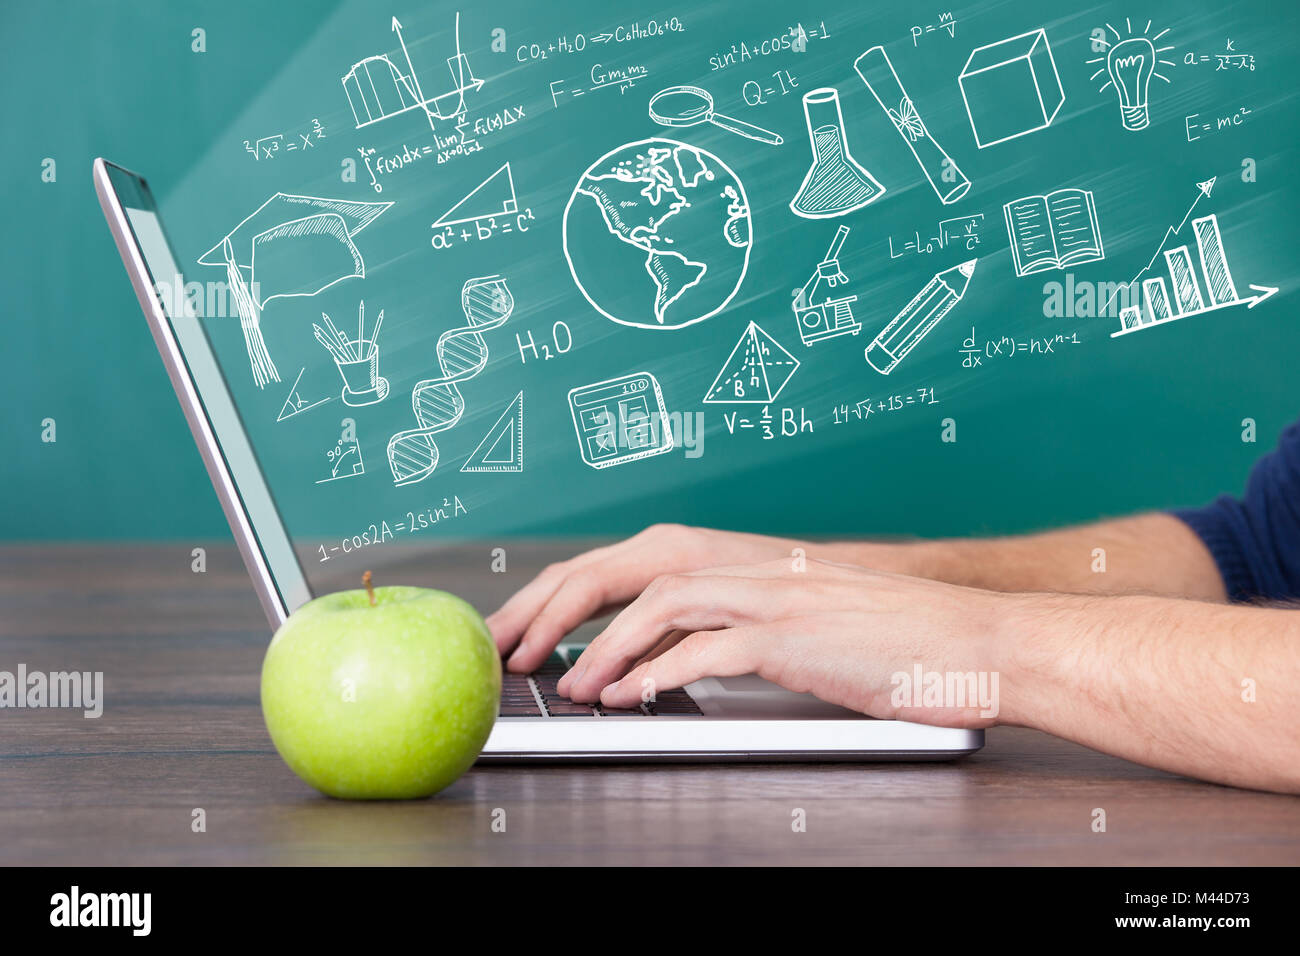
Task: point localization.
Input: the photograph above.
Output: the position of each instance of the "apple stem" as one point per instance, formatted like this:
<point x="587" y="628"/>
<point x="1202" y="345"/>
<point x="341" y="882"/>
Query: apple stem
<point x="370" y="588"/>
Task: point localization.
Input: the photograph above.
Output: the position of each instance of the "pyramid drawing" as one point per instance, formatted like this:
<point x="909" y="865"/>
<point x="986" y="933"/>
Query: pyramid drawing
<point x="502" y="448"/>
<point x="494" y="196"/>
<point x="755" y="372"/>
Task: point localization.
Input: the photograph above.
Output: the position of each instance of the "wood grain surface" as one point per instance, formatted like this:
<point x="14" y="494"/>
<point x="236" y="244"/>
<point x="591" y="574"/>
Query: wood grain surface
<point x="181" y="729"/>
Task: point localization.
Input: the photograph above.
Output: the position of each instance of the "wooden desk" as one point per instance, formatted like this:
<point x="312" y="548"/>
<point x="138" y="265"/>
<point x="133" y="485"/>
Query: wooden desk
<point x="182" y="729"/>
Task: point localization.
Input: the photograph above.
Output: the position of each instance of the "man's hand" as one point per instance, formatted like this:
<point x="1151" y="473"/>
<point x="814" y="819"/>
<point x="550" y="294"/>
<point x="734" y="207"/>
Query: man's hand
<point x="1156" y="554"/>
<point x="598" y="582"/>
<point x="836" y="630"/>
<point x="1197" y="688"/>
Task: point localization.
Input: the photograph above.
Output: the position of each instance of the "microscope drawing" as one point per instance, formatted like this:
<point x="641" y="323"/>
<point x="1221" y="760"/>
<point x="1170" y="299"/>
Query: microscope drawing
<point x="821" y="308"/>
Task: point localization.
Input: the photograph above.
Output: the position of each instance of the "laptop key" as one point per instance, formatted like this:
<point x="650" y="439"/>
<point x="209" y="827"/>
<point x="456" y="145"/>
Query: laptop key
<point x="519" y="711"/>
<point x="520" y="693"/>
<point x="570" y="710"/>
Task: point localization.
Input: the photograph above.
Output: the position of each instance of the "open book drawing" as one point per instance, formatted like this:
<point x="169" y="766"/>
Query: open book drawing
<point x="1053" y="231"/>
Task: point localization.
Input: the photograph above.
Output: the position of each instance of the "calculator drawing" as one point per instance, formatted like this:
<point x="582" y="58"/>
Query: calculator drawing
<point x="620" y="420"/>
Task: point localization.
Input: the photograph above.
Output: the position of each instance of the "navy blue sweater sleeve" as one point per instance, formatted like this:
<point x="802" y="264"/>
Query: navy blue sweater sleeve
<point x="1255" y="539"/>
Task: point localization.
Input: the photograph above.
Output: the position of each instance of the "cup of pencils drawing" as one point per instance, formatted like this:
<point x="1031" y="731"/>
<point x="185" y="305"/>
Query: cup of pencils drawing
<point x="362" y="374"/>
<point x="357" y="360"/>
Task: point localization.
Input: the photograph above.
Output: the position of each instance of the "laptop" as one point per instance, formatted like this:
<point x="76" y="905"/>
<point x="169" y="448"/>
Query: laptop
<point x="715" y="719"/>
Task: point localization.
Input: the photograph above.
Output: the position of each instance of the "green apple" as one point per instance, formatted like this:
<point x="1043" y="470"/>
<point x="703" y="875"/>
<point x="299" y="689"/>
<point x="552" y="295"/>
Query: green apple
<point x="383" y="693"/>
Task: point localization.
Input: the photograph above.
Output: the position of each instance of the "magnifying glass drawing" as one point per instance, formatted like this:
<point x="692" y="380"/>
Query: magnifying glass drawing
<point x="690" y="106"/>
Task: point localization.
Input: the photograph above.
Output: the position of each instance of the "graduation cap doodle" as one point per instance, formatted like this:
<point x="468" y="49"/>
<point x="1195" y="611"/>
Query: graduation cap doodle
<point x="290" y="246"/>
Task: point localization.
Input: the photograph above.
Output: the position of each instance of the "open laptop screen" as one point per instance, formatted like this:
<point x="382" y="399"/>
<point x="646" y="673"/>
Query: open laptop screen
<point x="232" y="445"/>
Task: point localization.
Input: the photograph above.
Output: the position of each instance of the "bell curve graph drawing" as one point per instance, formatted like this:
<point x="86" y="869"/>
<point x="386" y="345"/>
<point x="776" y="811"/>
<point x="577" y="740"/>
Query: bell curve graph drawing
<point x="378" y="89"/>
<point x="437" y="402"/>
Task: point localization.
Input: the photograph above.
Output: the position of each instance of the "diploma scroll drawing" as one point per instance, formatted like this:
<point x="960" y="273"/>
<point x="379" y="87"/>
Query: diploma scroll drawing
<point x="907" y="121"/>
<point x="948" y="182"/>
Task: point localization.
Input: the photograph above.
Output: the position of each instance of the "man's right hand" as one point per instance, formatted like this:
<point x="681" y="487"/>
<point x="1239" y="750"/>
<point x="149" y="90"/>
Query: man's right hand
<point x="565" y="595"/>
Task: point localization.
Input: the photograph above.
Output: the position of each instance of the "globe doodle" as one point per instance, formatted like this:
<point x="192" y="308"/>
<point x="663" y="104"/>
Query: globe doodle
<point x="657" y="234"/>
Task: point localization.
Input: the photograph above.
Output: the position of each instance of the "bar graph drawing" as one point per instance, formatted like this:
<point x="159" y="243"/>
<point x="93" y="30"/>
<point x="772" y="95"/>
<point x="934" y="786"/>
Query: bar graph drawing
<point x="1203" y="190"/>
<point x="1189" y="292"/>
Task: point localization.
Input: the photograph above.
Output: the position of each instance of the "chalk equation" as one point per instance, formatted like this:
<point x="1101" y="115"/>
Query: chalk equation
<point x="466" y="140"/>
<point x="945" y="23"/>
<point x="600" y="77"/>
<point x="489" y="209"/>
<point x="556" y="46"/>
<point x="794" y="40"/>
<point x="974" y="349"/>
<point x="755" y="93"/>
<point x="270" y="147"/>
<point x="961" y="232"/>
<point x="382" y="532"/>
<point x="566" y="44"/>
<point x="561" y="342"/>
<point x="1198" y="125"/>
<point x="787" y="423"/>
<point x="844" y="413"/>
<point x="1229" y="59"/>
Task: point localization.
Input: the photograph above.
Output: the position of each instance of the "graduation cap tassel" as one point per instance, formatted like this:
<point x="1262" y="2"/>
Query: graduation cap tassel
<point x="259" y="359"/>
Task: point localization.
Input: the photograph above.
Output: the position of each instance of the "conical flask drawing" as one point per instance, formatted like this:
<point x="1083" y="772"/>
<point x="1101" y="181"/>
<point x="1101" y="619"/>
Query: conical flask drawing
<point x="836" y="183"/>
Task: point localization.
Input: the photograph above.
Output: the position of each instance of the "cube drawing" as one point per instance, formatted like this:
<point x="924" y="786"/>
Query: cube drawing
<point x="1011" y="88"/>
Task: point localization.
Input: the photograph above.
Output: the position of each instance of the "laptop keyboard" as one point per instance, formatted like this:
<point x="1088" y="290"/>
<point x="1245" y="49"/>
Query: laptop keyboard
<point x="534" y="695"/>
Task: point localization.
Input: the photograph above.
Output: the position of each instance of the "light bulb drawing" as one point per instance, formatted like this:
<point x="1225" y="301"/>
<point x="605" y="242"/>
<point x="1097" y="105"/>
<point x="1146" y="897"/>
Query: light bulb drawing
<point x="1129" y="65"/>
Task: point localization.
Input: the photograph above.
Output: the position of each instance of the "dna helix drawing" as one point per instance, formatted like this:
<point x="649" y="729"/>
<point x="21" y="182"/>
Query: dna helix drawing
<point x="437" y="402"/>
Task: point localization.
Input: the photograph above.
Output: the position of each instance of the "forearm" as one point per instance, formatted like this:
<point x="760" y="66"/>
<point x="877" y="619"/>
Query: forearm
<point x="1151" y="554"/>
<point x="1194" y="688"/>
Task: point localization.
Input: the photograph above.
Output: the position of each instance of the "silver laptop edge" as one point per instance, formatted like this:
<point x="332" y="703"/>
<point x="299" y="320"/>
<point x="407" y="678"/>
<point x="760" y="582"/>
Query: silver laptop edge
<point x="164" y="336"/>
<point x="744" y="719"/>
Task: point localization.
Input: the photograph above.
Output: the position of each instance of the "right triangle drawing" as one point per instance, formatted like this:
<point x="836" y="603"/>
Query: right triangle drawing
<point x="502" y="448"/>
<point x="755" y="372"/>
<point x="494" y="196"/>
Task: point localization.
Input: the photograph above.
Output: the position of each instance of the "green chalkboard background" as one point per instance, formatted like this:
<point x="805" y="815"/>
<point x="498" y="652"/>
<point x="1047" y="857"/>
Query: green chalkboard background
<point x="1103" y="427"/>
